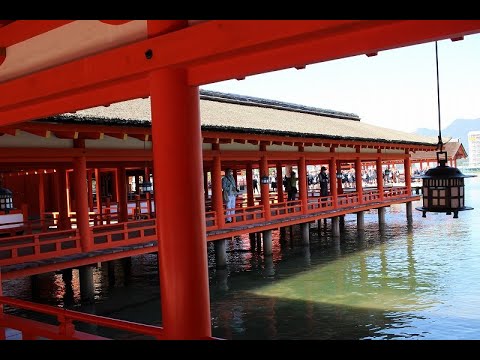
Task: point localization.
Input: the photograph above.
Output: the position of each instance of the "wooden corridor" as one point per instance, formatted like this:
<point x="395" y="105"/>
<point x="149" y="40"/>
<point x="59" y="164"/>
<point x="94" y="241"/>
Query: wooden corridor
<point x="55" y="250"/>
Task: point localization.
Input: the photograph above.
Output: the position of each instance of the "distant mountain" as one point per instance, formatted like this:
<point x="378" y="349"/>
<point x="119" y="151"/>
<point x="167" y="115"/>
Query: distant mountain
<point x="457" y="129"/>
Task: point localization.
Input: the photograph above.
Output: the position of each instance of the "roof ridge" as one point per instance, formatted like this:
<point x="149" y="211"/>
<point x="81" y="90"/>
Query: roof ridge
<point x="273" y="104"/>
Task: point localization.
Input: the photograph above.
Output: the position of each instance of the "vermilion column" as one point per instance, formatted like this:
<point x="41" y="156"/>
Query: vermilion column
<point x="122" y="206"/>
<point x="265" y="188"/>
<point x="358" y="179"/>
<point x="249" y="180"/>
<point x="333" y="181"/>
<point x="98" y="185"/>
<point x="81" y="201"/>
<point x="41" y="198"/>
<point x="407" y="165"/>
<point x="280" y="183"/>
<point x="339" y="181"/>
<point x="182" y="245"/>
<point x="217" y="198"/>
<point x="63" y="219"/>
<point x="379" y="177"/>
<point x="90" y="189"/>
<point x="302" y="183"/>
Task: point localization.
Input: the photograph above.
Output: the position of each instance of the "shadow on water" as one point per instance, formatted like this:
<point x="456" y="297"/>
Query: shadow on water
<point x="391" y="282"/>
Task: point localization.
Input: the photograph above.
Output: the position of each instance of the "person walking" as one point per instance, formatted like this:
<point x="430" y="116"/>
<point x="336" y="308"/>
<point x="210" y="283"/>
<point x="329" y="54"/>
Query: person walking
<point x="255" y="185"/>
<point x="230" y="193"/>
<point x="323" y="179"/>
<point x="292" y="186"/>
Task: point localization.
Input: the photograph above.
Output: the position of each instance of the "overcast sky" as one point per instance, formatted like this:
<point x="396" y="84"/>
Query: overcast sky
<point x="396" y="89"/>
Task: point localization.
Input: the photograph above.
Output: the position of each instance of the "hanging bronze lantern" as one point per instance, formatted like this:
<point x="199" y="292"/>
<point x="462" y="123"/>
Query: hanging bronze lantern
<point x="443" y="189"/>
<point x="6" y="199"/>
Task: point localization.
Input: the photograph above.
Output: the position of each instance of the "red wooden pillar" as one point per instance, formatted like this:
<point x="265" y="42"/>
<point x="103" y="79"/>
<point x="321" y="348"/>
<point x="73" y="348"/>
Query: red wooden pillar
<point x="182" y="245"/>
<point x="249" y="181"/>
<point x="41" y="199"/>
<point x="98" y="185"/>
<point x="265" y="188"/>
<point x="339" y="180"/>
<point x="217" y="199"/>
<point x="81" y="201"/>
<point x="407" y="165"/>
<point x="303" y="183"/>
<point x="358" y="180"/>
<point x="90" y="189"/>
<point x="146" y="176"/>
<point x="63" y="214"/>
<point x="333" y="181"/>
<point x="280" y="183"/>
<point x="380" y="178"/>
<point x="122" y="204"/>
<point x="67" y="188"/>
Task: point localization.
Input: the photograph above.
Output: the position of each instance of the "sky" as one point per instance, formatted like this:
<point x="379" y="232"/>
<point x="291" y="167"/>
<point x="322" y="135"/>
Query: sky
<point x="396" y="89"/>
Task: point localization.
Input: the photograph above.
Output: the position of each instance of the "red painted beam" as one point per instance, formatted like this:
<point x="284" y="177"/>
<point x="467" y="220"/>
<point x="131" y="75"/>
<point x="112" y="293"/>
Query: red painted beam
<point x="356" y="39"/>
<point x="235" y="49"/>
<point x="136" y="87"/>
<point x="21" y="30"/>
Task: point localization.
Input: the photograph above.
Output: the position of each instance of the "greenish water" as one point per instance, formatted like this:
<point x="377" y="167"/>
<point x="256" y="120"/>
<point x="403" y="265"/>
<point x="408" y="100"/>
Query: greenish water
<point x="398" y="282"/>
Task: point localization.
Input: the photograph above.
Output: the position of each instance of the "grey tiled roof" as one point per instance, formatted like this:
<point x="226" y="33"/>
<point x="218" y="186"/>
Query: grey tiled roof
<point x="236" y="113"/>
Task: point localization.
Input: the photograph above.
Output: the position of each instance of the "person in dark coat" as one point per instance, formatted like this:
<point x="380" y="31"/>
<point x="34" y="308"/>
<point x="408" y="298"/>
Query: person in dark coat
<point x="323" y="179"/>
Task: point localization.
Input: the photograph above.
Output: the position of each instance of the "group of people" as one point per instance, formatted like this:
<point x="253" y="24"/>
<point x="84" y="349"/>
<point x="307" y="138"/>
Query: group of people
<point x="230" y="190"/>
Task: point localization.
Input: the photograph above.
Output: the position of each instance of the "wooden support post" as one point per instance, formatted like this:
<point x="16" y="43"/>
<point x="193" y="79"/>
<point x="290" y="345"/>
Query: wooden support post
<point x="302" y="183"/>
<point x="335" y="226"/>
<point x="217" y="197"/>
<point x="267" y="243"/>
<point x="81" y="201"/>
<point x="379" y="177"/>
<point x="180" y="213"/>
<point x="220" y="253"/>
<point x="360" y="220"/>
<point x="265" y="188"/>
<point x="305" y="233"/>
<point x="332" y="164"/>
<point x="359" y="180"/>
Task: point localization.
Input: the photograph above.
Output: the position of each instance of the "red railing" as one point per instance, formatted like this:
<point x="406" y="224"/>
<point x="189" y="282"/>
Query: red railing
<point x="19" y="249"/>
<point x="286" y="209"/>
<point x="348" y="199"/>
<point x="244" y="215"/>
<point x="316" y="204"/>
<point x="122" y="234"/>
<point x="32" y="247"/>
<point x="393" y="192"/>
<point x="65" y="329"/>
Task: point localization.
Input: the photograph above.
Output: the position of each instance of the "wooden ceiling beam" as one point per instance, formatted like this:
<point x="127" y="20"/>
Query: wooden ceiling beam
<point x="91" y="135"/>
<point x="40" y="132"/>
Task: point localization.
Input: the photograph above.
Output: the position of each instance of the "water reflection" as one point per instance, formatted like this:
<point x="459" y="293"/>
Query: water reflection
<point x="418" y="281"/>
